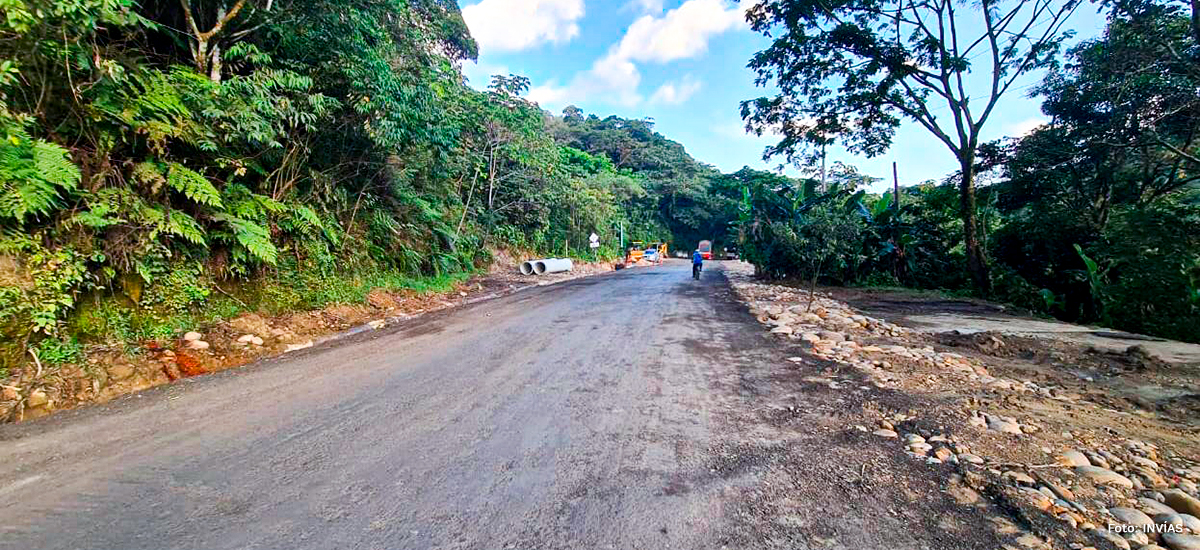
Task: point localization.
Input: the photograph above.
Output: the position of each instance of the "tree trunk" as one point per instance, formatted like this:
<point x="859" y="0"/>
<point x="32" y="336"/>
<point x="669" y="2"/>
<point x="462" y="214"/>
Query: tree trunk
<point x="976" y="260"/>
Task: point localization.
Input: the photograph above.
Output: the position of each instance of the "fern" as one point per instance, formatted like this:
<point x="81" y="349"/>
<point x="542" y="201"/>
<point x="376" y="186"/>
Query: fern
<point x="34" y="175"/>
<point x="181" y="225"/>
<point x="254" y="238"/>
<point x="193" y="185"/>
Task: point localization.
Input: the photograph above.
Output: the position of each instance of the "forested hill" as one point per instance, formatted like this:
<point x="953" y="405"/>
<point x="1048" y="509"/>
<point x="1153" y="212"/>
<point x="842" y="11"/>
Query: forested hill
<point x="156" y="154"/>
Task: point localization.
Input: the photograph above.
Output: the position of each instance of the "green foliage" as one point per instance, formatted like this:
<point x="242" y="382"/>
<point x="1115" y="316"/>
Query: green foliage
<point x="54" y="352"/>
<point x="34" y="174"/>
<point x="193" y="185"/>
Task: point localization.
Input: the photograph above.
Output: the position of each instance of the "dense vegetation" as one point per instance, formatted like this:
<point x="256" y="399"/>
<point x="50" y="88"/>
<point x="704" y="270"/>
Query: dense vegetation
<point x="164" y="164"/>
<point x="1094" y="217"/>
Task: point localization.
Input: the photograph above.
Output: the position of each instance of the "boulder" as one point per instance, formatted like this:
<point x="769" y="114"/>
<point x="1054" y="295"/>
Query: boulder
<point x="784" y="330"/>
<point x="1104" y="476"/>
<point x="1073" y="459"/>
<point x="198" y="345"/>
<point x="1178" y="541"/>
<point x="1115" y="540"/>
<point x="1130" y="516"/>
<point x="37" y="398"/>
<point x="1182" y="502"/>
<point x="192" y="336"/>
<point x="1153" y="507"/>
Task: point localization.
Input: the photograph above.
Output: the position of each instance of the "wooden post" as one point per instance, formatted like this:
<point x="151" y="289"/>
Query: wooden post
<point x="895" y="188"/>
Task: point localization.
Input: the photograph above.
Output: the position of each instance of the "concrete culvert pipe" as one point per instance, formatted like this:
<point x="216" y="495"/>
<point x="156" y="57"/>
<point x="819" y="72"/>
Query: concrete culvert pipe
<point x="552" y="265"/>
<point x="527" y="268"/>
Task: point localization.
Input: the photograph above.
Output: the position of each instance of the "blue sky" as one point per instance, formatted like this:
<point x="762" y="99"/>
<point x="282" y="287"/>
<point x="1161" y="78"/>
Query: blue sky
<point x="683" y="63"/>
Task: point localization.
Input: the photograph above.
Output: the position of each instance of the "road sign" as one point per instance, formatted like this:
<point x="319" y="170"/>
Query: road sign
<point x="594" y="245"/>
<point x="594" y="238"/>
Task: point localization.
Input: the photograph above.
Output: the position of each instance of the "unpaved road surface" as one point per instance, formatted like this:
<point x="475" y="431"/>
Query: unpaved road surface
<point x="638" y="409"/>
<point x="919" y="310"/>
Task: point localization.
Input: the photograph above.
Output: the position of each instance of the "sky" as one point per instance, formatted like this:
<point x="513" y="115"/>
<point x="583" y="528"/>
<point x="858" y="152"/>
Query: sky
<point x="683" y="64"/>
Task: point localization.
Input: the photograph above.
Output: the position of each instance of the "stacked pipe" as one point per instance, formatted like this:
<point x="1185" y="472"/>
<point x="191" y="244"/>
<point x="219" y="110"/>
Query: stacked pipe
<point x="546" y="265"/>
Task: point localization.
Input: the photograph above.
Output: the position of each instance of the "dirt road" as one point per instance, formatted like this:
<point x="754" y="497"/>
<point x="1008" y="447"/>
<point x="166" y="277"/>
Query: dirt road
<point x="637" y="409"/>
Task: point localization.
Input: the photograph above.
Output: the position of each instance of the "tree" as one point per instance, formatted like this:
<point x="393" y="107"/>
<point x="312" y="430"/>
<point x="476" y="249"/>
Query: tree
<point x="855" y="68"/>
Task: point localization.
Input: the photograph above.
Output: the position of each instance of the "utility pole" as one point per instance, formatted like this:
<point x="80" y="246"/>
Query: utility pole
<point x="823" y="164"/>
<point x="895" y="188"/>
<point x="901" y="260"/>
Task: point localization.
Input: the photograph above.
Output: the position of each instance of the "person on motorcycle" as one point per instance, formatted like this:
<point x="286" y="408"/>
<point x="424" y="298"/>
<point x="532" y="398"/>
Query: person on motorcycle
<point x="697" y="263"/>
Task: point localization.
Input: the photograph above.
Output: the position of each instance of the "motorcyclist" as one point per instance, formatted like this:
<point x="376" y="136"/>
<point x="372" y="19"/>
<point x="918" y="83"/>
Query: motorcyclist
<point x="697" y="263"/>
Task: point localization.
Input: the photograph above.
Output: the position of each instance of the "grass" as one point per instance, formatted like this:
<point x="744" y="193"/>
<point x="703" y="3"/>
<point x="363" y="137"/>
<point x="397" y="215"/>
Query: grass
<point x="113" y="319"/>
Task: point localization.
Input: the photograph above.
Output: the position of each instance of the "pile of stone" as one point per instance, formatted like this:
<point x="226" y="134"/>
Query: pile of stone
<point x="1128" y="496"/>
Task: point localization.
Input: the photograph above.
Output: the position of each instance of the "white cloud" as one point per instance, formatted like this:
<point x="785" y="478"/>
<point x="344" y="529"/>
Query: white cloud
<point x="512" y="25"/>
<point x="549" y="94"/>
<point x="674" y="93"/>
<point x="680" y="33"/>
<point x="1022" y="128"/>
<point x="479" y="75"/>
<point x="645" y="6"/>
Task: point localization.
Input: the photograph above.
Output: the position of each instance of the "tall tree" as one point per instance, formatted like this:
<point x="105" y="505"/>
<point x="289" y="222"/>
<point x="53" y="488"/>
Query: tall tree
<point x="854" y="69"/>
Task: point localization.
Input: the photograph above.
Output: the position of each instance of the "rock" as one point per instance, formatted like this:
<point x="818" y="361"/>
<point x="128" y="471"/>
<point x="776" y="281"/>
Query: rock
<point x="832" y="336"/>
<point x="1137" y="539"/>
<point x="1170" y="519"/>
<point x="1037" y="499"/>
<point x="1002" y="425"/>
<point x="784" y="330"/>
<point x="1019" y="478"/>
<point x="1130" y="516"/>
<point x="1153" y="507"/>
<point x="120" y="371"/>
<point x="1073" y="459"/>
<point x="192" y="336"/>
<point x="963" y="495"/>
<point x="1104" y="476"/>
<point x="1117" y="541"/>
<point x="198" y="345"/>
<point x="1145" y="462"/>
<point x="256" y="341"/>
<point x="245" y="339"/>
<point x="1191" y="522"/>
<point x="37" y="398"/>
<point x="1182" y="502"/>
<point x="920" y="448"/>
<point x="885" y="433"/>
<point x="810" y="318"/>
<point x="970" y="458"/>
<point x="943" y="454"/>
<point x="1060" y="490"/>
<point x="1029" y="541"/>
<point x="1097" y="460"/>
<point x="810" y="337"/>
<point x="9" y="393"/>
<point x="297" y="347"/>
<point x="1177" y="541"/>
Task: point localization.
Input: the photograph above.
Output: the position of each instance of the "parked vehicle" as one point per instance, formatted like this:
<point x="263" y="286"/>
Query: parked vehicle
<point x="705" y="249"/>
